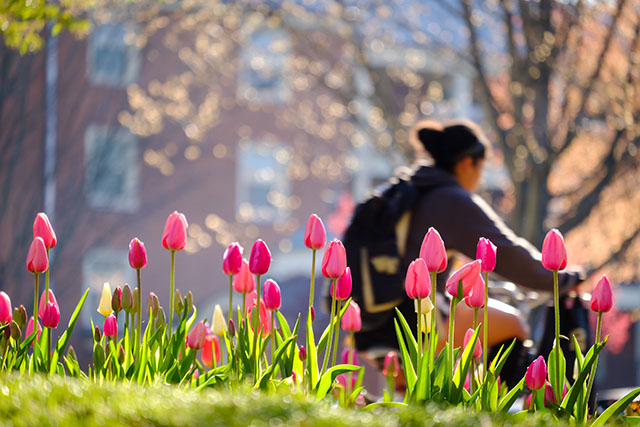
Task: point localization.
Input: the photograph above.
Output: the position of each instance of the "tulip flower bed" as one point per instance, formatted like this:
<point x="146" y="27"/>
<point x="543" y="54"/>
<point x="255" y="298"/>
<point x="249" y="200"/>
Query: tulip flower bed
<point x="256" y="350"/>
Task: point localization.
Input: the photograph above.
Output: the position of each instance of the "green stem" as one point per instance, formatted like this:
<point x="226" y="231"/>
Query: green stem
<point x="485" y="324"/>
<point x="475" y="318"/>
<point x="173" y="258"/>
<point x="352" y="351"/>
<point x="46" y="282"/>
<point x="35" y="303"/>
<point x="337" y="337"/>
<point x="433" y="300"/>
<point x="556" y="306"/>
<point x="313" y="277"/>
<point x="257" y="328"/>
<point x="329" y="340"/>
<point x="273" y="335"/>
<point x="244" y="309"/>
<point x="391" y="384"/>
<point x="139" y="326"/>
<point x="452" y="310"/>
<point x="48" y="349"/>
<point x="230" y="297"/>
<point x="592" y="376"/>
<point x="419" y="333"/>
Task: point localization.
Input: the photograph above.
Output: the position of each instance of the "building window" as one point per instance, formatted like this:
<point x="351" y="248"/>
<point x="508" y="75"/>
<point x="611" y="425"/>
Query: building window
<point x="112" y="59"/>
<point x="262" y="182"/>
<point x="111" y="168"/>
<point x="102" y="265"/>
<point x="263" y="67"/>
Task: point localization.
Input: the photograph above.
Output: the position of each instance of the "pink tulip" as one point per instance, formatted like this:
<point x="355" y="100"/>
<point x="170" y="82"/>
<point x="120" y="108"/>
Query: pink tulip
<point x="350" y="353"/>
<point x="250" y="299"/>
<point x="197" y="336"/>
<point x="174" y="236"/>
<point x="137" y="254"/>
<point x="468" y="274"/>
<point x="243" y="282"/>
<point x="342" y="380"/>
<point x="550" y="396"/>
<point x="271" y="295"/>
<point x="391" y="366"/>
<point x="433" y="252"/>
<point x="6" y="312"/>
<point x="554" y="253"/>
<point x="29" y="329"/>
<point x="232" y="259"/>
<point x="315" y="236"/>
<point x="536" y="374"/>
<point x="486" y="252"/>
<point x="260" y="258"/>
<point x="42" y="228"/>
<point x="602" y="296"/>
<point x="334" y="262"/>
<point x="110" y="327"/>
<point x="210" y="349"/>
<point x="418" y="283"/>
<point x="41" y="306"/>
<point x="477" y="350"/>
<point x="313" y="314"/>
<point x="37" y="259"/>
<point x="302" y="354"/>
<point x="343" y="285"/>
<point x="475" y="299"/>
<point x="265" y="319"/>
<point x="351" y="320"/>
<point x="51" y="316"/>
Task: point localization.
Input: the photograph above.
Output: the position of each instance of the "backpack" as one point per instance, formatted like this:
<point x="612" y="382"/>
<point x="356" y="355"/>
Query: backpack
<point x="375" y="242"/>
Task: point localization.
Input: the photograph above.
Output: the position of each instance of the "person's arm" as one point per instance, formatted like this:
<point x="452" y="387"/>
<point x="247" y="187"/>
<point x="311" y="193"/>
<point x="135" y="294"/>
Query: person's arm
<point x="462" y="219"/>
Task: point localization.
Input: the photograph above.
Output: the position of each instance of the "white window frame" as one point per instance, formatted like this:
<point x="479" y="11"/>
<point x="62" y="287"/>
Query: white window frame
<point x="113" y="35"/>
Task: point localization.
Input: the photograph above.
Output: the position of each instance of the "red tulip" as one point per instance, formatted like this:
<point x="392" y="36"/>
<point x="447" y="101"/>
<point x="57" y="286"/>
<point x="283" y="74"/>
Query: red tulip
<point x="232" y="259"/>
<point x="486" y="252"/>
<point x="110" y="327"/>
<point x="554" y="253"/>
<point x="343" y="285"/>
<point x="315" y="236"/>
<point x="391" y="365"/>
<point x="41" y="306"/>
<point x="271" y="295"/>
<point x="536" y="374"/>
<point x="475" y="299"/>
<point x="210" y="349"/>
<point x="243" y="282"/>
<point x="418" y="283"/>
<point x="351" y="320"/>
<point x="334" y="262"/>
<point x="174" y="236"/>
<point x="302" y="353"/>
<point x="42" y="228"/>
<point x="37" y="259"/>
<point x="137" y="254"/>
<point x="468" y="274"/>
<point x="602" y="296"/>
<point x="477" y="350"/>
<point x="433" y="252"/>
<point x="260" y="258"/>
<point x="197" y="336"/>
<point x="51" y="316"/>
<point x="349" y="356"/>
<point x="29" y="329"/>
<point x="6" y="313"/>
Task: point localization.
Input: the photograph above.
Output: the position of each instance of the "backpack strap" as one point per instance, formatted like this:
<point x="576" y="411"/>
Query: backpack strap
<point x="367" y="286"/>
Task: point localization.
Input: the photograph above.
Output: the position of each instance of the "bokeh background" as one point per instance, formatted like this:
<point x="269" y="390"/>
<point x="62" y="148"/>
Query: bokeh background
<point x="247" y="116"/>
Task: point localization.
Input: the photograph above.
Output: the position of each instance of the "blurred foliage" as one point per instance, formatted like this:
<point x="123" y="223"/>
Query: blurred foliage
<point x="23" y="22"/>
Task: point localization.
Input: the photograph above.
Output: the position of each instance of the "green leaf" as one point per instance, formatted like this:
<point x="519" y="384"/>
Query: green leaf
<point x="616" y="408"/>
<point x="514" y="393"/>
<point x="63" y="341"/>
<point x="556" y="351"/>
<point x="571" y="397"/>
<point x="325" y="383"/>
<point x="503" y="359"/>
<point x="375" y="405"/>
<point x="409" y="372"/>
<point x="412" y="344"/>
<point x="312" y="357"/>
<point x="422" y="391"/>
<point x="461" y="372"/>
<point x="276" y="357"/>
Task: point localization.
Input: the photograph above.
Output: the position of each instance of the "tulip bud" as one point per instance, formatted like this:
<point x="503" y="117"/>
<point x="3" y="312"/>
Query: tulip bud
<point x="477" y="350"/>
<point x="468" y="274"/>
<point x="260" y="258"/>
<point x="271" y="295"/>
<point x="433" y="251"/>
<point x="71" y="354"/>
<point x="104" y="307"/>
<point x="602" y="296"/>
<point x="196" y="336"/>
<point x="42" y="228"/>
<point x="161" y="318"/>
<point x="218" y="324"/>
<point x="153" y="303"/>
<point x="6" y="315"/>
<point x="6" y="332"/>
<point x="98" y="357"/>
<point x="334" y="261"/>
<point x="302" y="353"/>
<point x="243" y="282"/>
<point x="41" y="305"/>
<point x="37" y="259"/>
<point x="349" y="356"/>
<point x="51" y="316"/>
<point x="417" y="282"/>
<point x="97" y="335"/>
<point x="20" y="316"/>
<point x="344" y="285"/>
<point x="391" y="364"/>
<point x="554" y="253"/>
<point x="136" y="298"/>
<point x="232" y="259"/>
<point x="188" y="302"/>
<point x="313" y="314"/>
<point x="127" y="298"/>
<point x="536" y="374"/>
<point x="475" y="299"/>
<point x="116" y="300"/>
<point x="425" y="306"/>
<point x="351" y="320"/>
<point x="137" y="254"/>
<point x="16" y="331"/>
<point x="174" y="236"/>
<point x="121" y="354"/>
<point x="486" y="252"/>
<point x="232" y="328"/>
<point x="315" y="236"/>
<point x="110" y="327"/>
<point x="178" y="303"/>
